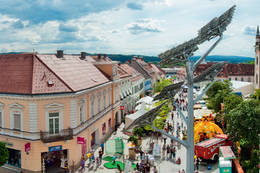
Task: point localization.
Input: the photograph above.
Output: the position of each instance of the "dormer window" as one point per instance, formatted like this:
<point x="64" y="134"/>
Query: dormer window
<point x="50" y="83"/>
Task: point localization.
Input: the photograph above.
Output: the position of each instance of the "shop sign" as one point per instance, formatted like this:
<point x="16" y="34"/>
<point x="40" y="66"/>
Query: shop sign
<point x="27" y="147"/>
<point x="55" y="148"/>
<point x="80" y="140"/>
<point x="122" y="107"/>
<point x="7" y="143"/>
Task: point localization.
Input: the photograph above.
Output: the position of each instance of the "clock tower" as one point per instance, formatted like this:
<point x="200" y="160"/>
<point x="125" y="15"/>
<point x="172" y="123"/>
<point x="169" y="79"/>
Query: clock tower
<point x="257" y="56"/>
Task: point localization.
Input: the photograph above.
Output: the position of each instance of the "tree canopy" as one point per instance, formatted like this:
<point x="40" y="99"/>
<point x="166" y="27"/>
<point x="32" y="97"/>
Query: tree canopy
<point x="231" y="101"/>
<point x="216" y="94"/>
<point x="243" y="122"/>
<point x="4" y="154"/>
<point x="161" y="84"/>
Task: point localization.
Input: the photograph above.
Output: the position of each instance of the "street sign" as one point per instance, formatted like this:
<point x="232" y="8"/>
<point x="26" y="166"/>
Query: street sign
<point x="55" y="148"/>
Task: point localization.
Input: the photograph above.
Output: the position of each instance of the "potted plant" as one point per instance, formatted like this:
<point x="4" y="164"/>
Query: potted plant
<point x="139" y="133"/>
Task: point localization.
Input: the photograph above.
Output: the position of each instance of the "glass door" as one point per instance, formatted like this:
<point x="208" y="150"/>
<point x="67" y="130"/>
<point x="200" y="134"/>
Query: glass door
<point x="54" y="123"/>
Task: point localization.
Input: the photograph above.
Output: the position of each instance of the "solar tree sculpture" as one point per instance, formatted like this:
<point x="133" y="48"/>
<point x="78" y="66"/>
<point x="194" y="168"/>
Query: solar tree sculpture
<point x="182" y="53"/>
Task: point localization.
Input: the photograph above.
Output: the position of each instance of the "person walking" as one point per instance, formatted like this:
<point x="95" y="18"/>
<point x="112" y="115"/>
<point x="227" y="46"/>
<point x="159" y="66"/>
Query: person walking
<point x="163" y="150"/>
<point x="168" y="151"/>
<point x="82" y="164"/>
<point x="100" y="154"/>
<point x="155" y="169"/>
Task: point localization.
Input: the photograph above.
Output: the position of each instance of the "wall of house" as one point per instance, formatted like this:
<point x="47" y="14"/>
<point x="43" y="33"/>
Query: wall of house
<point x="34" y="118"/>
<point x="242" y="78"/>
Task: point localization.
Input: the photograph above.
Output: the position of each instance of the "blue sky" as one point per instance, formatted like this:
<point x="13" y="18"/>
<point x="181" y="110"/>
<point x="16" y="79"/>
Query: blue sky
<point x="146" y="27"/>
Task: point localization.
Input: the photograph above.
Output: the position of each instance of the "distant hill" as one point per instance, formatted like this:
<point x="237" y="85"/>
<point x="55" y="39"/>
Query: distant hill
<point x="155" y="59"/>
<point x="229" y="59"/>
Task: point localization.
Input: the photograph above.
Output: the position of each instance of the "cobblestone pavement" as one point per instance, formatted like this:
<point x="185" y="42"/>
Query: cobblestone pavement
<point x="163" y="165"/>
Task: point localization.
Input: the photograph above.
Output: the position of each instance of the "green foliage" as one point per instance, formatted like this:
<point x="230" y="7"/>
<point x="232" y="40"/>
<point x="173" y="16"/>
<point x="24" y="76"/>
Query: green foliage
<point x="243" y="122"/>
<point x="231" y="101"/>
<point x="256" y="95"/>
<point x="251" y="166"/>
<point x="216" y="94"/>
<point x="133" y="139"/>
<point x="4" y="154"/>
<point x="138" y="131"/>
<point x="160" y="85"/>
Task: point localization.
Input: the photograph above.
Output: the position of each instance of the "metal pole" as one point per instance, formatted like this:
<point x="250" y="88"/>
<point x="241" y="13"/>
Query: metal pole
<point x="190" y="129"/>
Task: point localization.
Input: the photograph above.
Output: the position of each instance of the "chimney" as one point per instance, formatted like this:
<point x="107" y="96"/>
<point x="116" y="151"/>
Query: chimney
<point x="83" y="55"/>
<point x="59" y="53"/>
<point x="99" y="56"/>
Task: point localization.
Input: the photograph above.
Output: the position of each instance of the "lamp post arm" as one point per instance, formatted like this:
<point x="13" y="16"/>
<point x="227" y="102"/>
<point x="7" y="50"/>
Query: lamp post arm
<point x="204" y="91"/>
<point x="179" y="110"/>
<point x="185" y="144"/>
<point x="207" y="53"/>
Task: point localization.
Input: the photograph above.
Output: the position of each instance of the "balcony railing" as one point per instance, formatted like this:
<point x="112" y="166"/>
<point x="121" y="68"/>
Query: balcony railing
<point x="65" y="134"/>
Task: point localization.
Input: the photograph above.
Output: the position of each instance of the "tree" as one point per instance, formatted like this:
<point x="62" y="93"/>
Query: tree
<point x="4" y="154"/>
<point x="231" y="101"/>
<point x="243" y="124"/>
<point x="216" y="94"/>
<point x="161" y="84"/>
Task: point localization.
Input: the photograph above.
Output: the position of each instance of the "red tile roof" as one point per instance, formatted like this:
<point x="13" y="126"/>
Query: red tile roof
<point x="39" y="74"/>
<point x="229" y="70"/>
<point x="16" y="73"/>
<point x="76" y="73"/>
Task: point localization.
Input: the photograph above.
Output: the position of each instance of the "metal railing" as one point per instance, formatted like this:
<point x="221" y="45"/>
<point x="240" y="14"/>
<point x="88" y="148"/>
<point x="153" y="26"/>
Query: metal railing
<point x="65" y="134"/>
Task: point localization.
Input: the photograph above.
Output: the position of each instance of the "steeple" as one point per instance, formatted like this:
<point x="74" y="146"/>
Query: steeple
<point x="257" y="31"/>
<point x="257" y="36"/>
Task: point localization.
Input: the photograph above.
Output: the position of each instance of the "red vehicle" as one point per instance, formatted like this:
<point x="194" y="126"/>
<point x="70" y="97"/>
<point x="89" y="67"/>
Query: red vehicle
<point x="209" y="149"/>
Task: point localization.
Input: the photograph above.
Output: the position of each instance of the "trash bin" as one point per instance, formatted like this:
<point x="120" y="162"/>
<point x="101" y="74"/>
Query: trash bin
<point x="225" y="166"/>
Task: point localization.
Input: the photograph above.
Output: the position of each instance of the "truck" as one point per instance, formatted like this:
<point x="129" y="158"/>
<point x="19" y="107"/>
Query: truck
<point x="208" y="150"/>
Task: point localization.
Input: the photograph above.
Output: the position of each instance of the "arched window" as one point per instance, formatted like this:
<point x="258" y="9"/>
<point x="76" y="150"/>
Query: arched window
<point x="104" y="97"/>
<point x="256" y="60"/>
<point x="92" y="104"/>
<point x="242" y="79"/>
<point x="82" y="111"/>
<point x="235" y="78"/>
<point x="99" y="101"/>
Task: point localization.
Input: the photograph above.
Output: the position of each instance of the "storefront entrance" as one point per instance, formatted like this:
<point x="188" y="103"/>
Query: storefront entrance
<point x="54" y="161"/>
<point x="14" y="158"/>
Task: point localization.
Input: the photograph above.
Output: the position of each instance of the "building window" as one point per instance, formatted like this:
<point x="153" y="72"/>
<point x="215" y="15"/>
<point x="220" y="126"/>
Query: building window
<point x="16" y="121"/>
<point x="249" y="79"/>
<point x="104" y="98"/>
<point x="104" y="129"/>
<point x="235" y="78"/>
<point x="93" y="105"/>
<point x="229" y="78"/>
<point x="109" y="123"/>
<point x="109" y="96"/>
<point x="256" y="80"/>
<point x="99" y="101"/>
<point x="1" y="121"/>
<point x="54" y="118"/>
<point x="54" y="125"/>
<point x="1" y="115"/>
<point x="256" y="60"/>
<point x="242" y="79"/>
<point x="81" y="111"/>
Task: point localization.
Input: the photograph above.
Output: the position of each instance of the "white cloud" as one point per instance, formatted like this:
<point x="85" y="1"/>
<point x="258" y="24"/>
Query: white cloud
<point x="117" y="29"/>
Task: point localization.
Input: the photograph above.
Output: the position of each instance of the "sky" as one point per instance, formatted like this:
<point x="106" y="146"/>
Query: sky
<point x="145" y="27"/>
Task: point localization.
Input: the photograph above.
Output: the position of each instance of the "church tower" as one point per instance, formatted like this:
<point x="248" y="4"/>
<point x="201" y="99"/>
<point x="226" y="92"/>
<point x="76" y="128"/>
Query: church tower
<point x="257" y="56"/>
